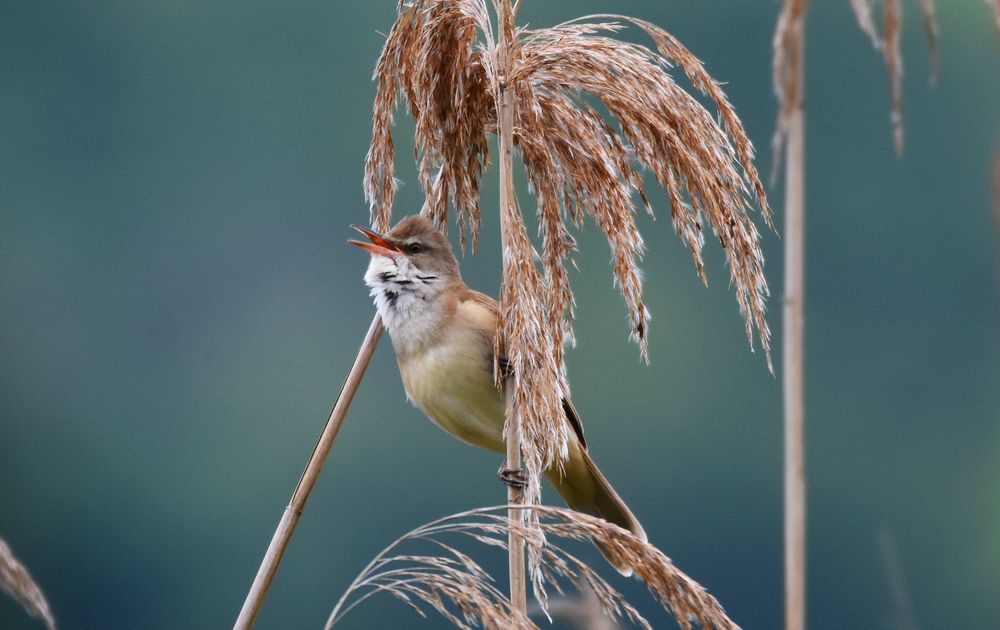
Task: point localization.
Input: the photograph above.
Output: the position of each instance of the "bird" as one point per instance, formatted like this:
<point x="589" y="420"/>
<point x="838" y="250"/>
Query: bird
<point x="444" y="334"/>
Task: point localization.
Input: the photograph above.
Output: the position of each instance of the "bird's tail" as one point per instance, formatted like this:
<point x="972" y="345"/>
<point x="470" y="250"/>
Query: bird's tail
<point x="585" y="489"/>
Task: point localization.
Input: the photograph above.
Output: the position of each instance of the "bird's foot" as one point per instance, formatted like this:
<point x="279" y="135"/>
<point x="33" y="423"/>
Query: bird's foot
<point x="513" y="477"/>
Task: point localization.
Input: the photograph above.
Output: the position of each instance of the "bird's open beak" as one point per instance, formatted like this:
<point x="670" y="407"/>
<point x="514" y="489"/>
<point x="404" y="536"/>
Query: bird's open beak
<point x="378" y="246"/>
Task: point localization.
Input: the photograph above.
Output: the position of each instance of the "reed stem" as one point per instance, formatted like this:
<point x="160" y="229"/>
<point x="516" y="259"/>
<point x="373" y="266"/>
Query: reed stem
<point x="290" y="518"/>
<point x="793" y="356"/>
<point x="515" y="496"/>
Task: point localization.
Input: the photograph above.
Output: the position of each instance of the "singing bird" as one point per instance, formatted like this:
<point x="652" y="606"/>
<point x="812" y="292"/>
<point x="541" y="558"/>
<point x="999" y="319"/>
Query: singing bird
<point x="443" y="333"/>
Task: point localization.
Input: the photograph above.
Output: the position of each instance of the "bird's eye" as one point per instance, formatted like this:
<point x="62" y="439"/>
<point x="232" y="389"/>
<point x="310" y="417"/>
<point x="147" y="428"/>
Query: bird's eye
<point x="414" y="248"/>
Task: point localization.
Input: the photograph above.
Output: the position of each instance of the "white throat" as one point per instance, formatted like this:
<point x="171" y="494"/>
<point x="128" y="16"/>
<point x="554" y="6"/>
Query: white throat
<point x="406" y="298"/>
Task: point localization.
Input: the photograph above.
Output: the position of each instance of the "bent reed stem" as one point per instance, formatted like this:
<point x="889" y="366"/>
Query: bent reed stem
<point x="290" y="518"/>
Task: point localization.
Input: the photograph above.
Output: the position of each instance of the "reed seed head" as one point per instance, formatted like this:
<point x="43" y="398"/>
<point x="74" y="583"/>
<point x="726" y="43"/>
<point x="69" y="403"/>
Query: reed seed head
<point x="590" y="114"/>
<point x="18" y="583"/>
<point x="453" y="583"/>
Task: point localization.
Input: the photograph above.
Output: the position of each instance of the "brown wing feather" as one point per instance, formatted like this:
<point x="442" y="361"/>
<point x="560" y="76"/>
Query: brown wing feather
<point x="505" y="369"/>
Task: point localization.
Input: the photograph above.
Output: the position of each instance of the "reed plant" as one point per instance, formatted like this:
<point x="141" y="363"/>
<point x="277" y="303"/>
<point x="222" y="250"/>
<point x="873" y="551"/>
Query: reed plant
<point x="788" y="145"/>
<point x="588" y="113"/>
<point x="444" y="60"/>
<point x="592" y="118"/>
<point x="16" y="581"/>
<point x="454" y="584"/>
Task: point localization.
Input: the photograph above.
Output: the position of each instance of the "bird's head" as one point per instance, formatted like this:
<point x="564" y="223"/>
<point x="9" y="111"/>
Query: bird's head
<point x="412" y="256"/>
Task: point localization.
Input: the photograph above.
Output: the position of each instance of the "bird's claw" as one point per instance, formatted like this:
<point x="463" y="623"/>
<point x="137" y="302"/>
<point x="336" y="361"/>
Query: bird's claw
<point x="513" y="477"/>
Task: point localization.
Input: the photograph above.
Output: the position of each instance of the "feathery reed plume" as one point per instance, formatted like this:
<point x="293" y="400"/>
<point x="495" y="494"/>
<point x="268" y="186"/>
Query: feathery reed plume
<point x="786" y="71"/>
<point x="894" y="64"/>
<point x="995" y="5"/>
<point x="931" y="33"/>
<point x="888" y="44"/>
<point x="583" y="611"/>
<point x="442" y="58"/>
<point x="18" y="583"/>
<point x="863" y="13"/>
<point x="455" y="585"/>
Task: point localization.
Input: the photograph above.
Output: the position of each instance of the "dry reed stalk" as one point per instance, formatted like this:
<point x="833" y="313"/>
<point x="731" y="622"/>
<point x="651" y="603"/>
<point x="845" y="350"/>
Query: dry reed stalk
<point x="442" y="58"/>
<point x="789" y="76"/>
<point x="18" y="583"/>
<point x="509" y="241"/>
<point x="793" y="359"/>
<point x="290" y="517"/>
<point x="995" y="5"/>
<point x="455" y="585"/>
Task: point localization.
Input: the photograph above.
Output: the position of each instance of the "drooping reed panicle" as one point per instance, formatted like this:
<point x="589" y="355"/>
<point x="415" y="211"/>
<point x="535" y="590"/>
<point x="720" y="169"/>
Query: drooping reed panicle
<point x="441" y="58"/>
<point x="888" y="43"/>
<point x="454" y="584"/>
<point x="17" y="582"/>
<point x="931" y="33"/>
<point x="786" y="74"/>
<point x="995" y="5"/>
<point x="581" y="610"/>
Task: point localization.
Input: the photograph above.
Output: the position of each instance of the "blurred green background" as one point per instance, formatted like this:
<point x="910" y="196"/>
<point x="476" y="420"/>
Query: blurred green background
<point x="178" y="309"/>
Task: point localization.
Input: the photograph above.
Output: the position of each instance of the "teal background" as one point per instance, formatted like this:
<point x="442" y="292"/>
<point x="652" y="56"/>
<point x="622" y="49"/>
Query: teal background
<point x="178" y="308"/>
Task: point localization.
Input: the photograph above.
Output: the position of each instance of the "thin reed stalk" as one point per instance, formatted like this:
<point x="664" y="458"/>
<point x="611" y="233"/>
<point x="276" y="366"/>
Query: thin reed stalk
<point x="290" y="518"/>
<point x="793" y="382"/>
<point x="789" y="80"/>
<point x="508" y="206"/>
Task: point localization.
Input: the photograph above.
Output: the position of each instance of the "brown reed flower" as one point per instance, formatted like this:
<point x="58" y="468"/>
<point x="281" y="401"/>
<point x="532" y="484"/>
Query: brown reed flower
<point x="18" y="583"/>
<point x="786" y="73"/>
<point x="888" y="45"/>
<point x="931" y="33"/>
<point x="442" y="58"/>
<point x="454" y="584"/>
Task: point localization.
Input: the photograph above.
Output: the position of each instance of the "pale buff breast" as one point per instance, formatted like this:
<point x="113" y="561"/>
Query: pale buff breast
<point x="452" y="380"/>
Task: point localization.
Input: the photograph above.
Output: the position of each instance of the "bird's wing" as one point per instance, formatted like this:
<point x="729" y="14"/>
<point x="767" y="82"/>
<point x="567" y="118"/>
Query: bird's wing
<point x="574" y="421"/>
<point x="505" y="367"/>
<point x="468" y="295"/>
